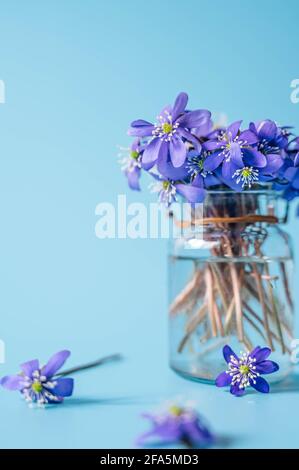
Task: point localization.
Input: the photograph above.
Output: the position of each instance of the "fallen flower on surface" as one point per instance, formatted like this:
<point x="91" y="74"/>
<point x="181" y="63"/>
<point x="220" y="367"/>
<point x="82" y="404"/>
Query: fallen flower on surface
<point x="39" y="384"/>
<point x="46" y="385"/>
<point x="177" y="424"/>
<point x="246" y="370"/>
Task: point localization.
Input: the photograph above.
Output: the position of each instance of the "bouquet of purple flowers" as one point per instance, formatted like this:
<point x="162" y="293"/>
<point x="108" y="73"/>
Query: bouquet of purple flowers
<point x="237" y="287"/>
<point x="187" y="154"/>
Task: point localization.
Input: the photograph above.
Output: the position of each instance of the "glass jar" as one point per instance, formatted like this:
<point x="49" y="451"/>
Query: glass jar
<point x="230" y="275"/>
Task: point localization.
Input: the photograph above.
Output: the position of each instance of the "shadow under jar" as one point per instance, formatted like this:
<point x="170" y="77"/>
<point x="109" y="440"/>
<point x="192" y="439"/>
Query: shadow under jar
<point x="230" y="283"/>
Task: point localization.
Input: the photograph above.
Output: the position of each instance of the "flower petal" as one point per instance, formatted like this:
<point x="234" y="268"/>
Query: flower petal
<point x="213" y="161"/>
<point x="133" y="179"/>
<point x="141" y="128"/>
<point x="196" y="433"/>
<point x="205" y="130"/>
<point x="295" y="182"/>
<point x="55" y="363"/>
<point x="190" y="138"/>
<point x="267" y="129"/>
<point x="64" y="387"/>
<point x="274" y="163"/>
<point x="135" y="146"/>
<point x="254" y="351"/>
<point x="191" y="193"/>
<point x="228" y="352"/>
<point x="228" y="172"/>
<point x="178" y="151"/>
<point x="211" y="145"/>
<point x="195" y="118"/>
<point x="261" y="385"/>
<point x="223" y="380"/>
<point x="12" y="382"/>
<point x="166" y="168"/>
<point x="29" y="367"/>
<point x="141" y="123"/>
<point x="140" y="131"/>
<point x="167" y="431"/>
<point x="266" y="367"/>
<point x="198" y="181"/>
<point x="252" y="128"/>
<point x="151" y="152"/>
<point x="253" y="157"/>
<point x="261" y="354"/>
<point x="233" y="129"/>
<point x="236" y="155"/>
<point x="248" y="137"/>
<point x="211" y="180"/>
<point x="291" y="173"/>
<point x="179" y="105"/>
<point x="235" y="390"/>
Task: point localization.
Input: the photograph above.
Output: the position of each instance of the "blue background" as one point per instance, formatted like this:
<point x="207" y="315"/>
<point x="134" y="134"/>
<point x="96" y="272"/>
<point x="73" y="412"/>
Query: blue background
<point x="76" y="73"/>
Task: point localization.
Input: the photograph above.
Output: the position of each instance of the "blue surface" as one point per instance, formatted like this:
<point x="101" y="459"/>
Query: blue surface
<point x="76" y="73"/>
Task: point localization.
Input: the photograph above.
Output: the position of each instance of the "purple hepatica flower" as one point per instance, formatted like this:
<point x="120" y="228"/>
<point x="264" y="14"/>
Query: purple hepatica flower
<point x="290" y="171"/>
<point x="178" y="424"/>
<point x="199" y="176"/>
<point x="271" y="138"/>
<point x="230" y="149"/>
<point x="246" y="370"/>
<point x="40" y="384"/>
<point x="271" y="141"/>
<point x="293" y="146"/>
<point x="170" y="132"/>
<point x="131" y="164"/>
<point x="168" y="190"/>
<point x="292" y="174"/>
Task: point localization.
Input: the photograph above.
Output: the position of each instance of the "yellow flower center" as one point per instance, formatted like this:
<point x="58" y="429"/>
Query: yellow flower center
<point x="165" y="185"/>
<point x="246" y="172"/>
<point x="37" y="387"/>
<point x="244" y="370"/>
<point x="167" y="127"/>
<point x="175" y="410"/>
<point x="134" y="154"/>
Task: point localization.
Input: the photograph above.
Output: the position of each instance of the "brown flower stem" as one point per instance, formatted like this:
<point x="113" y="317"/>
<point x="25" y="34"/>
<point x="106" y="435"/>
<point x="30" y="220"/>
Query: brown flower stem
<point x="219" y="285"/>
<point x="90" y="365"/>
<point x="229" y="316"/>
<point x="275" y="312"/>
<point x="184" y="296"/>
<point x="254" y="325"/>
<point x="225" y="289"/>
<point x="190" y="306"/>
<point x="210" y="301"/>
<point x="192" y="325"/>
<point x="218" y="319"/>
<point x="261" y="297"/>
<point x="286" y="285"/>
<point x="246" y="219"/>
<point x="205" y="337"/>
<point x="272" y="300"/>
<point x="283" y="324"/>
<point x="237" y="293"/>
<point x="253" y="291"/>
<point x="255" y="315"/>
